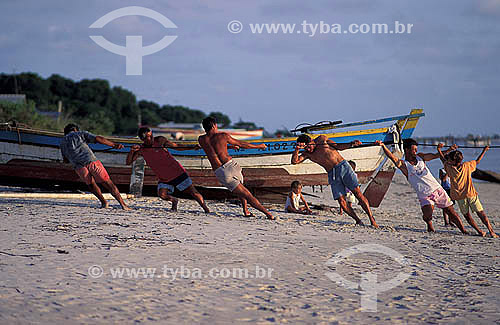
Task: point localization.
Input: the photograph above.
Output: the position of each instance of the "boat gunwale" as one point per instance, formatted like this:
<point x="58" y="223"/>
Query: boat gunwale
<point x="135" y="140"/>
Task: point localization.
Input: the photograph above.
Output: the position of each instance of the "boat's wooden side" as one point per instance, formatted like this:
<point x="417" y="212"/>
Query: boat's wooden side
<point x="262" y="170"/>
<point x="486" y="175"/>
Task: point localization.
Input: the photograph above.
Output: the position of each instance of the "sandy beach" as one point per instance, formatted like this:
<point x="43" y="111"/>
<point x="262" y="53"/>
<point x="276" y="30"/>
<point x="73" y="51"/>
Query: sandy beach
<point x="66" y="261"/>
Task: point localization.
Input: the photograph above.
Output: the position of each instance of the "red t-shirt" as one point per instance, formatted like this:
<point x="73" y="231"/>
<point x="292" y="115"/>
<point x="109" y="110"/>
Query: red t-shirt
<point x="162" y="162"/>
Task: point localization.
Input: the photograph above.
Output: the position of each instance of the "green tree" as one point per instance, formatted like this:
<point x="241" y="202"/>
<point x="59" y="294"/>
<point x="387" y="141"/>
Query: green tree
<point x="123" y="109"/>
<point x="95" y="105"/>
<point x="97" y="123"/>
<point x="25" y="113"/>
<point x="61" y="88"/>
<point x="7" y="83"/>
<point x="35" y="88"/>
<point x="245" y="125"/>
<point x="149" y="113"/>
<point x="181" y="114"/>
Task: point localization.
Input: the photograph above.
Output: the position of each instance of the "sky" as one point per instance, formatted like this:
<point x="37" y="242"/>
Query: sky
<point x="449" y="64"/>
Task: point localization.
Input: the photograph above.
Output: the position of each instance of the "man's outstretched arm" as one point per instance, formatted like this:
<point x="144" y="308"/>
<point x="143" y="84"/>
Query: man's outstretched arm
<point x="244" y="144"/>
<point x="296" y="159"/>
<point x="133" y="154"/>
<point x="343" y="146"/>
<point x="107" y="142"/>
<point x="164" y="142"/>
<point x="482" y="154"/>
<point x="397" y="162"/>
<point x="442" y="154"/>
<point x="431" y="156"/>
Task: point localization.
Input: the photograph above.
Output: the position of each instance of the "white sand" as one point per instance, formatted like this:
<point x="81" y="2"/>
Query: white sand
<point x="453" y="278"/>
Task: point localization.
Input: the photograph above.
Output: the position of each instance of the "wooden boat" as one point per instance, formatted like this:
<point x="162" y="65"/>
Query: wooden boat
<point x="486" y="175"/>
<point x="32" y="158"/>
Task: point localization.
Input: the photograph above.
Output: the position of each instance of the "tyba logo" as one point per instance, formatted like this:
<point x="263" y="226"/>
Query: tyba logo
<point x="368" y="284"/>
<point x="133" y="50"/>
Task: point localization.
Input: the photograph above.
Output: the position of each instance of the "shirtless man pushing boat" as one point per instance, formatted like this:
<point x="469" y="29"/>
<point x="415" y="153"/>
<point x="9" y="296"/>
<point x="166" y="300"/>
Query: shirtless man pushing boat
<point x="325" y="153"/>
<point x="227" y="170"/>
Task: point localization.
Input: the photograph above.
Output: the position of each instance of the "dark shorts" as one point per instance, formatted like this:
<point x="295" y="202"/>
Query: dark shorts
<point x="341" y="177"/>
<point x="181" y="183"/>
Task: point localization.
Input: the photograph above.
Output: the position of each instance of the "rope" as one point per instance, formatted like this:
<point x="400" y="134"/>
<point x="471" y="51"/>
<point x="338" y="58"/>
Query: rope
<point x="369" y="144"/>
<point x="364" y="144"/>
<point x="466" y="147"/>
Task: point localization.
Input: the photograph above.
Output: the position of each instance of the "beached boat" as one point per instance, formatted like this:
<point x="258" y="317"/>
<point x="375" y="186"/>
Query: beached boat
<point x="32" y="158"/>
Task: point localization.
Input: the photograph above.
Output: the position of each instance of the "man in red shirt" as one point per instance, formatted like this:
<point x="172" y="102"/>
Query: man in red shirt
<point x="169" y="171"/>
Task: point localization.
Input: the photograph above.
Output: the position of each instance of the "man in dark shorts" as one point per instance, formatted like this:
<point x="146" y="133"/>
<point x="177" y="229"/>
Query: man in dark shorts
<point x="170" y="172"/>
<point x="325" y="153"/>
<point x="75" y="150"/>
<point x="227" y="170"/>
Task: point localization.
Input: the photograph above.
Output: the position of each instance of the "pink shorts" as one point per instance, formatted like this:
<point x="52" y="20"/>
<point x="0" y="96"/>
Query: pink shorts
<point x="96" y="170"/>
<point x="438" y="198"/>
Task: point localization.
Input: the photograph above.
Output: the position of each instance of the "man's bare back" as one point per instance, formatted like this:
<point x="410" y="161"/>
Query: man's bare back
<point x="325" y="155"/>
<point x="215" y="146"/>
<point x="323" y="152"/>
<point x="228" y="172"/>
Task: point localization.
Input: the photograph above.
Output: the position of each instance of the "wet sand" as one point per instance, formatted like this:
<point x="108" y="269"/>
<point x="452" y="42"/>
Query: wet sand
<point x="53" y="252"/>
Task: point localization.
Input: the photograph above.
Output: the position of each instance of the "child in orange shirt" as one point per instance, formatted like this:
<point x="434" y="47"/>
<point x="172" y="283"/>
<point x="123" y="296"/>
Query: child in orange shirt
<point x="462" y="188"/>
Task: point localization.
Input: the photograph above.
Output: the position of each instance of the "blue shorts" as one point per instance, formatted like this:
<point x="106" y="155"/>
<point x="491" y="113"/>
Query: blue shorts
<point x="180" y="183"/>
<point x="341" y="177"/>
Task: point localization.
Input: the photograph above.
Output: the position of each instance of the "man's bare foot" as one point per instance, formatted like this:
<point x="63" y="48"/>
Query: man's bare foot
<point x="374" y="225"/>
<point x="206" y="209"/>
<point x="175" y="202"/>
<point x="482" y="233"/>
<point x="104" y="205"/>
<point x="430" y="228"/>
<point x="271" y="217"/>
<point x="493" y="235"/>
<point x="126" y="208"/>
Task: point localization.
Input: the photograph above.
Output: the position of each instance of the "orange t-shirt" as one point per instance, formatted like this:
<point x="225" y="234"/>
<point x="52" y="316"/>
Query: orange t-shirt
<point x="461" y="180"/>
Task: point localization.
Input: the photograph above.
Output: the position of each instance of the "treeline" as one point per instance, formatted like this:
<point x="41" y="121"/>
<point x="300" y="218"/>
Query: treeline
<point x="92" y="103"/>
